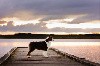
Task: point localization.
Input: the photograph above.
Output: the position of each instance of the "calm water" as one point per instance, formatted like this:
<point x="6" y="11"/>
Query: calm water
<point x="84" y="48"/>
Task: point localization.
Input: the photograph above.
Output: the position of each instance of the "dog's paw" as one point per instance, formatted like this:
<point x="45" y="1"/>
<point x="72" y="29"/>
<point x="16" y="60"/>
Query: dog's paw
<point x="46" y="56"/>
<point x="28" y="56"/>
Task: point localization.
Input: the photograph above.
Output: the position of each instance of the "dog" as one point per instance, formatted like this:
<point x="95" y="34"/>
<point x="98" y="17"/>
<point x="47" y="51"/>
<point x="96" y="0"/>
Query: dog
<point x="42" y="45"/>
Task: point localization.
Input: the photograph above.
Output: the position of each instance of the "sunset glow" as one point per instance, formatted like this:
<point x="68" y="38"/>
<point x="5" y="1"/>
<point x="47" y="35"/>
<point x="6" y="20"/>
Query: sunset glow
<point x="64" y="25"/>
<point x="49" y="16"/>
<point x="20" y="22"/>
<point x="69" y="19"/>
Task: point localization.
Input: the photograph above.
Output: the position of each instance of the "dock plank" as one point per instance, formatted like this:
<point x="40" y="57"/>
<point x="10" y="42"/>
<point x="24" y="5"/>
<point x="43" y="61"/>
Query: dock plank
<point x="19" y="58"/>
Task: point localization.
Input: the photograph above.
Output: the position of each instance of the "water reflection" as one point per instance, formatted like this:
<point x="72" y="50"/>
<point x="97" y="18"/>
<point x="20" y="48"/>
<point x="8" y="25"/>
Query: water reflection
<point x="75" y="43"/>
<point x="88" y="50"/>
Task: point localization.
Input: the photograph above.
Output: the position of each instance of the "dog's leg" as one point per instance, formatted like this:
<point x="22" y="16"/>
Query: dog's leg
<point x="31" y="48"/>
<point x="45" y="54"/>
<point x="28" y="55"/>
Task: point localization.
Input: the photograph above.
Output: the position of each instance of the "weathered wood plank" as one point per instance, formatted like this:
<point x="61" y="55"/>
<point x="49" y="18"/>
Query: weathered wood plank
<point x="19" y="58"/>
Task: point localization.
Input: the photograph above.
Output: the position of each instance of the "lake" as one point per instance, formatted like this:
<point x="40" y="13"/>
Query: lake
<point x="83" y="48"/>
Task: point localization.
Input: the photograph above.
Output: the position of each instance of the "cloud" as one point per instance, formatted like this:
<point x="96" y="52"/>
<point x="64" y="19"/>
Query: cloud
<point x="40" y="27"/>
<point x="51" y="9"/>
<point x="25" y="15"/>
<point x="86" y="18"/>
<point x="3" y="22"/>
<point x="10" y="24"/>
<point x="48" y="10"/>
<point x="23" y="28"/>
<point x="53" y="17"/>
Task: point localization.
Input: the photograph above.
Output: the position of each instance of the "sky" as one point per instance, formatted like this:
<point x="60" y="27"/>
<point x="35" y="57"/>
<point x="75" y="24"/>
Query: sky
<point x="50" y="16"/>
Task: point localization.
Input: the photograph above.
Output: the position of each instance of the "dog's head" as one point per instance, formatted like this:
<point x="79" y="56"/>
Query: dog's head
<point x="50" y="38"/>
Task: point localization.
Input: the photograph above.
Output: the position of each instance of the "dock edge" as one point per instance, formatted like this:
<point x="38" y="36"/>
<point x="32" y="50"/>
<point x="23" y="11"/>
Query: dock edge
<point x="75" y="58"/>
<point x="7" y="55"/>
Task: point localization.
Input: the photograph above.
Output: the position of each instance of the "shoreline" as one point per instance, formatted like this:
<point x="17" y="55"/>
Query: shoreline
<point x="43" y="36"/>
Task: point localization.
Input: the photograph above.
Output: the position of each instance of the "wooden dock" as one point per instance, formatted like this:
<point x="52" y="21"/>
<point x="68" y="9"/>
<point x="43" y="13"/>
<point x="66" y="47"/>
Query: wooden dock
<point x="17" y="57"/>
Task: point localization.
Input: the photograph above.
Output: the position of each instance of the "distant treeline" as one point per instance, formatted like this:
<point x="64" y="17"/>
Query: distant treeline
<point x="43" y="36"/>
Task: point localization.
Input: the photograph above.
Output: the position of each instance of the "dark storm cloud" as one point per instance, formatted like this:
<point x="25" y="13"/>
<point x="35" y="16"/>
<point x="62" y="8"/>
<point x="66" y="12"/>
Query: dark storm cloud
<point x="51" y="7"/>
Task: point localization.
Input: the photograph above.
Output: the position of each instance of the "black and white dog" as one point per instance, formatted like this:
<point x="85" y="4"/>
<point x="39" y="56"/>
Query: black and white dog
<point x="42" y="45"/>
